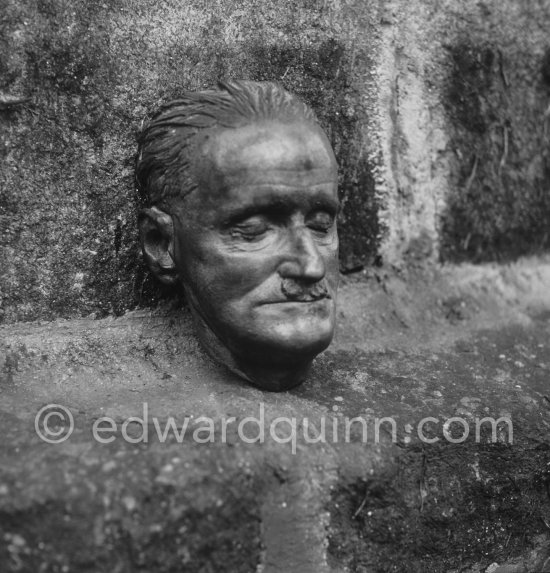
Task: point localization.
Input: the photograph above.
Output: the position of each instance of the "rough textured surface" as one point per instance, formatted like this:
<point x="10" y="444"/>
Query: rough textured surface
<point x="92" y="71"/>
<point x="341" y="506"/>
<point x="437" y="111"/>
<point x="463" y="130"/>
<point x="498" y="101"/>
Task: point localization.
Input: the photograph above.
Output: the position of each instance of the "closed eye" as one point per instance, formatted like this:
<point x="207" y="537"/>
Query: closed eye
<point x="320" y="221"/>
<point x="251" y="228"/>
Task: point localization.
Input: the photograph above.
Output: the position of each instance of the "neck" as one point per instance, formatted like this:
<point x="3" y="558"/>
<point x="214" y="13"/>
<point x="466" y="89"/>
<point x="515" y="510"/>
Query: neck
<point x="274" y="378"/>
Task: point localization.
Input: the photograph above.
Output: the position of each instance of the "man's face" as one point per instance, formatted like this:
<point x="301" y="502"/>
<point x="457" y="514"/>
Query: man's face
<point x="256" y="244"/>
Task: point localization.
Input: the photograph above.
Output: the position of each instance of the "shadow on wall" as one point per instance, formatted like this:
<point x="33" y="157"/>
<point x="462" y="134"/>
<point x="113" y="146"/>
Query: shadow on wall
<point x="498" y="105"/>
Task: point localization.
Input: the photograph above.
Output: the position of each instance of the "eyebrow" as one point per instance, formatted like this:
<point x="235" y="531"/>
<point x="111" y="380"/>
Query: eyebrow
<point x="279" y="204"/>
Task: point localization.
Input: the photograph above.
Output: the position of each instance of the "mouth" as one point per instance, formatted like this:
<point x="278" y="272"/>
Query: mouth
<point x="301" y="300"/>
<point x="308" y="298"/>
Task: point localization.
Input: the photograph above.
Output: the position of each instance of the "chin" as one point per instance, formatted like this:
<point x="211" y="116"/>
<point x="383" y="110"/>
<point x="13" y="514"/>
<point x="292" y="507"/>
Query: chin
<point x="300" y="339"/>
<point x="295" y="329"/>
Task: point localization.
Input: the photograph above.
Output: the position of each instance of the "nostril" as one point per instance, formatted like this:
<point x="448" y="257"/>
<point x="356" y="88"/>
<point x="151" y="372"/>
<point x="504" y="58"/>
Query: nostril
<point x="306" y="271"/>
<point x="314" y="267"/>
<point x="290" y="269"/>
<point x="303" y="260"/>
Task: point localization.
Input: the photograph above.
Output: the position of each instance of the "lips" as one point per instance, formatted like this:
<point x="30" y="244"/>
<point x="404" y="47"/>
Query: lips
<point x="301" y="300"/>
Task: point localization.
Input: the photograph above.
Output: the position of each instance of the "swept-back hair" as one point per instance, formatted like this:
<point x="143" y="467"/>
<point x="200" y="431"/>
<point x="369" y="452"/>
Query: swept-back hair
<point x="166" y="143"/>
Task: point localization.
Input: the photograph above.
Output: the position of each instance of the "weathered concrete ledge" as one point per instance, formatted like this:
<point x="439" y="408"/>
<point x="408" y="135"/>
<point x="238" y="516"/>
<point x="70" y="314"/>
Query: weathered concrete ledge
<point x="344" y="505"/>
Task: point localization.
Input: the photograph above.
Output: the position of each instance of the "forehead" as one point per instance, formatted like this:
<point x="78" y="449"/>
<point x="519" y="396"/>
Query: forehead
<point x="265" y="155"/>
<point x="271" y="145"/>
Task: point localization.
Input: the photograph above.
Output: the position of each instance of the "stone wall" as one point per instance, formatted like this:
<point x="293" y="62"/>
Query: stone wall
<point x="436" y="110"/>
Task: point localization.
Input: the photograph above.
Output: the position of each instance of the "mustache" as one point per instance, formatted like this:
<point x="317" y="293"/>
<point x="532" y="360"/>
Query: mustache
<point x="302" y="291"/>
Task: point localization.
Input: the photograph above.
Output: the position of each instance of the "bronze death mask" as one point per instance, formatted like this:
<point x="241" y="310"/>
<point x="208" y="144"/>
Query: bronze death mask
<point x="241" y="188"/>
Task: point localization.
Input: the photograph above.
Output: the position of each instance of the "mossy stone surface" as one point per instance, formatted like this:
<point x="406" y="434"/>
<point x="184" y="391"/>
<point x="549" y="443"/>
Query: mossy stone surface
<point x="92" y="71"/>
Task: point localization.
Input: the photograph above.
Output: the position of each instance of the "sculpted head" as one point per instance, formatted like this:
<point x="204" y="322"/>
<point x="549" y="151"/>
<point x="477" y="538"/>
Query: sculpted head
<point x="241" y="188"/>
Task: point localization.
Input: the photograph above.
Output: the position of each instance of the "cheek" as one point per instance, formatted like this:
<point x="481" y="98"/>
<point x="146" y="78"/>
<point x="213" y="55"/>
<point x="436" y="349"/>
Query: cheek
<point x="332" y="264"/>
<point x="217" y="275"/>
<point x="226" y="277"/>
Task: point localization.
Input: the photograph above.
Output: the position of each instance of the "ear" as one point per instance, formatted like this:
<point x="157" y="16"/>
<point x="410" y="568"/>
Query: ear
<point x="156" y="233"/>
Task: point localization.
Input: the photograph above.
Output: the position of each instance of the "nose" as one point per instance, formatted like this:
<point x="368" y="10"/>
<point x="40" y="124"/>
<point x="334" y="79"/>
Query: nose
<point x="302" y="259"/>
